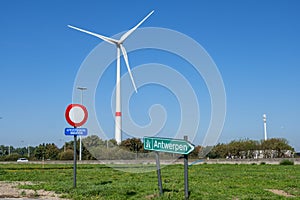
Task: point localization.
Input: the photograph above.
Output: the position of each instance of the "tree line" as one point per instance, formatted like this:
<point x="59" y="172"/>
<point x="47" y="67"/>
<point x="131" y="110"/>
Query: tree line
<point x="132" y="148"/>
<point x="251" y="149"/>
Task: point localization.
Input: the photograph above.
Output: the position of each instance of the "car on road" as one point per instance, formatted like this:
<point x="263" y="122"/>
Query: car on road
<point x="22" y="160"/>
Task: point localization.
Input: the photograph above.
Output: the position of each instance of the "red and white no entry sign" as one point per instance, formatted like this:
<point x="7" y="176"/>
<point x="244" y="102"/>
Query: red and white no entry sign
<point x="76" y="115"/>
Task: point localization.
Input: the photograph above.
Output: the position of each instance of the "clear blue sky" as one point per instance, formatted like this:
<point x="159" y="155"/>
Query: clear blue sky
<point x="255" y="45"/>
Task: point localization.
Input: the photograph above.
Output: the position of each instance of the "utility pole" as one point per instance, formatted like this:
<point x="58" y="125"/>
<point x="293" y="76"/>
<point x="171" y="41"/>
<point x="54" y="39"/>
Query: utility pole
<point x="28" y="151"/>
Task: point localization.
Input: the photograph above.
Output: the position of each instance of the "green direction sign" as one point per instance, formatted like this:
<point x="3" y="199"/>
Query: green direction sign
<point x="168" y="145"/>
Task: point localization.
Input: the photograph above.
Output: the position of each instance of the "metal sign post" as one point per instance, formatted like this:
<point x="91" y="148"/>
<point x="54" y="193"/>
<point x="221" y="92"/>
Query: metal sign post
<point x="158" y="173"/>
<point x="186" y="173"/>
<point x="75" y="161"/>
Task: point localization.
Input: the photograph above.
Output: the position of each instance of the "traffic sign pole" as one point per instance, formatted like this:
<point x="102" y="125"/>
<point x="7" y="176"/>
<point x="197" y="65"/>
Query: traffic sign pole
<point x="186" y="173"/>
<point x="75" y="161"/>
<point x="158" y="174"/>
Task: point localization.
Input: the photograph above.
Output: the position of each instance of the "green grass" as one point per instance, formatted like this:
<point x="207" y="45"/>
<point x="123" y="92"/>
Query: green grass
<point x="205" y="181"/>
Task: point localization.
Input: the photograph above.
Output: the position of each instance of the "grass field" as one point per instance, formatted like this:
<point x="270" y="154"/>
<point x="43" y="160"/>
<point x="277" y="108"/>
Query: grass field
<point x="206" y="181"/>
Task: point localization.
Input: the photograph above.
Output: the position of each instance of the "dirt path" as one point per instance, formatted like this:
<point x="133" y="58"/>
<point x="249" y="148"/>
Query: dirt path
<point x="11" y="190"/>
<point x="280" y="192"/>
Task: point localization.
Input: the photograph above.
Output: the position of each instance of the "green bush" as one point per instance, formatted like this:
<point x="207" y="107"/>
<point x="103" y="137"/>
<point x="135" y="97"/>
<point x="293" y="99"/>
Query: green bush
<point x="12" y="157"/>
<point x="262" y="163"/>
<point x="286" y="162"/>
<point x="67" y="155"/>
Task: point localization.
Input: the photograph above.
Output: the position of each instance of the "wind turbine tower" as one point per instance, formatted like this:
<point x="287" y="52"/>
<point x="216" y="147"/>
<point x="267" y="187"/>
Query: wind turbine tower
<point x="265" y="125"/>
<point x="120" y="48"/>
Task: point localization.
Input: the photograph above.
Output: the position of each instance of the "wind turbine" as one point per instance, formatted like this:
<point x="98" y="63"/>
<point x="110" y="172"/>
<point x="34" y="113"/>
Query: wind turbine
<point x="120" y="47"/>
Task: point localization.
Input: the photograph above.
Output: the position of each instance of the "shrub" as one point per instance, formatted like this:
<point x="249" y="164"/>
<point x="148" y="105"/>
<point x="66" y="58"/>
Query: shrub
<point x="262" y="163"/>
<point x="67" y="155"/>
<point x="12" y="157"/>
<point x="286" y="162"/>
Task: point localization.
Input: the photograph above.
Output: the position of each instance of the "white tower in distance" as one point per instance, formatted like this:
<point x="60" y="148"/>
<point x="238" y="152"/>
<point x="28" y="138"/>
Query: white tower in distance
<point x="265" y="126"/>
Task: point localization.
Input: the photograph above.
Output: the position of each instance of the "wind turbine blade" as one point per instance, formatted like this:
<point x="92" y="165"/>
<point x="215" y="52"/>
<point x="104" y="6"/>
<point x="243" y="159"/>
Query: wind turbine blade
<point x="127" y="65"/>
<point x="125" y="36"/>
<point x="107" y="39"/>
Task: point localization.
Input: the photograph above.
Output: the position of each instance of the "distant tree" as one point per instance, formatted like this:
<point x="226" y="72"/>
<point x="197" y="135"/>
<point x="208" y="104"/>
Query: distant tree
<point x="132" y="144"/>
<point x="96" y="148"/>
<point x="277" y="144"/>
<point x="39" y="152"/>
<point x="219" y="151"/>
<point x="195" y="153"/>
<point x="250" y="145"/>
<point x="46" y="151"/>
<point x="274" y="147"/>
<point x="67" y="155"/>
<point x="51" y="151"/>
<point x="12" y="157"/>
<point x="68" y="145"/>
<point x="93" y="141"/>
<point x="21" y="150"/>
<point x="112" y="143"/>
<point x="242" y="148"/>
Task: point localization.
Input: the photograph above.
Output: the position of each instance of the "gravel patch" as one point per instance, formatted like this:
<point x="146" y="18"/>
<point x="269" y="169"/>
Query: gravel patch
<point x="10" y="190"/>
